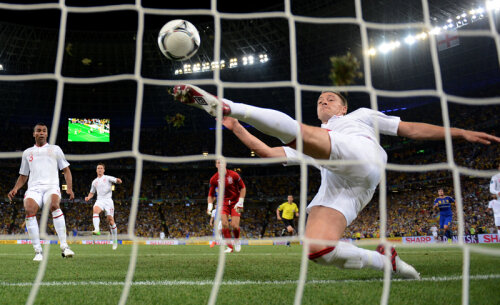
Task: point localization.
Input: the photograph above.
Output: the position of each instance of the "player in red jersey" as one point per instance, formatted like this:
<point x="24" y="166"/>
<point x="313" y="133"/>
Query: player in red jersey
<point x="234" y="195"/>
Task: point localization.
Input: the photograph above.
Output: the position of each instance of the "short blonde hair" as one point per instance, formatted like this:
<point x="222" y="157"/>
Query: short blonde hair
<point x="342" y="98"/>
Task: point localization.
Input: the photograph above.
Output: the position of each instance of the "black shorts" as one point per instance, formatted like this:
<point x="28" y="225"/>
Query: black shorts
<point x="288" y="222"/>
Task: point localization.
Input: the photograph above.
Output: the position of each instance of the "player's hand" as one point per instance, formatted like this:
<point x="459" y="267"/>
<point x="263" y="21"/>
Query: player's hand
<point x="239" y="206"/>
<point x="479" y="137"/>
<point x="230" y="123"/>
<point x="87" y="198"/>
<point x="118" y="181"/>
<point x="70" y="193"/>
<point x="209" y="212"/>
<point x="11" y="194"/>
<point x="279" y="218"/>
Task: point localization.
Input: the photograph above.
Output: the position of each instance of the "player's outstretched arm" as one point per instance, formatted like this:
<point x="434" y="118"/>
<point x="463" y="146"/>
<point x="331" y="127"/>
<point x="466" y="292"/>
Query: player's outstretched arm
<point x="424" y="131"/>
<point x="252" y="142"/>
<point x="278" y="214"/>
<point x="21" y="180"/>
<point x="118" y="181"/>
<point x="69" y="182"/>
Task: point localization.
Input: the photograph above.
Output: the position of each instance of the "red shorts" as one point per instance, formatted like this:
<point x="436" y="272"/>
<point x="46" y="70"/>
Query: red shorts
<point x="228" y="209"/>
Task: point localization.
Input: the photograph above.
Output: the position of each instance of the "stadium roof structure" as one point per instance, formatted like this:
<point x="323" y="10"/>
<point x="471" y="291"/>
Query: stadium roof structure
<point x="104" y="44"/>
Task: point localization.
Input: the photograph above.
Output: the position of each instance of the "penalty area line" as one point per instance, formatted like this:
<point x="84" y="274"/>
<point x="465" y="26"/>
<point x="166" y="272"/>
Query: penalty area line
<point x="240" y="283"/>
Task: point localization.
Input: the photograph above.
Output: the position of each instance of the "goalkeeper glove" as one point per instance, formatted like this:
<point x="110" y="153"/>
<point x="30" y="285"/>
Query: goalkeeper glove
<point x="239" y="206"/>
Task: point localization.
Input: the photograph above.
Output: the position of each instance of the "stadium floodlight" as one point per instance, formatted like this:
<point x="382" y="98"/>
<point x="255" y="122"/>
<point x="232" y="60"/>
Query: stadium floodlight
<point x="187" y="69"/>
<point x="449" y="20"/>
<point x="386" y="47"/>
<point x="233" y="63"/>
<point x="205" y="67"/>
<point x="421" y="36"/>
<point x="435" y="31"/>
<point x="463" y="15"/>
<point x="248" y="60"/>
<point x="196" y="67"/>
<point x="215" y="65"/>
<point x="263" y="58"/>
<point x="178" y="71"/>
<point x="222" y="64"/>
<point x="1" y="67"/>
<point x="371" y="51"/>
<point x="409" y="40"/>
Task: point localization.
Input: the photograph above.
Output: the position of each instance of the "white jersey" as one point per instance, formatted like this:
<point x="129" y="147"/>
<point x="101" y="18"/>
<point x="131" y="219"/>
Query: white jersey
<point x="349" y="187"/>
<point x="495" y="206"/>
<point x="362" y="123"/>
<point x="495" y="184"/>
<point x="102" y="186"/>
<point x="42" y="165"/>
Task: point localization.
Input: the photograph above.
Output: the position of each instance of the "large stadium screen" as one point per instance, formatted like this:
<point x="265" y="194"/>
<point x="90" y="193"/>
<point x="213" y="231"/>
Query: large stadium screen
<point x="88" y="130"/>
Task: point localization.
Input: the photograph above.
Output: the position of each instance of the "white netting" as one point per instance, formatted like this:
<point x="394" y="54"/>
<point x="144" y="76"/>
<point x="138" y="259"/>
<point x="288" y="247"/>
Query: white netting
<point x="222" y="85"/>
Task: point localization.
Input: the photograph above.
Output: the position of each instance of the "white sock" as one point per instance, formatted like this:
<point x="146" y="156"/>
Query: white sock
<point x="114" y="233"/>
<point x="96" y="220"/>
<point x="34" y="233"/>
<point x="268" y="121"/>
<point x="60" y="226"/>
<point x="348" y="256"/>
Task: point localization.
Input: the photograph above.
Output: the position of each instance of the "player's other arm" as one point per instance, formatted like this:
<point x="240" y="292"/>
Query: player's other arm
<point x="424" y="131"/>
<point x="118" y="181"/>
<point x="21" y="180"/>
<point x="69" y="182"/>
<point x="252" y="142"/>
<point x="90" y="196"/>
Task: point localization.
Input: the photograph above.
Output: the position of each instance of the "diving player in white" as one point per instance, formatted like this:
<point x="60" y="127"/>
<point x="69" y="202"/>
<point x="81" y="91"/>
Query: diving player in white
<point x="42" y="163"/>
<point x="345" y="188"/>
<point x="102" y="186"/>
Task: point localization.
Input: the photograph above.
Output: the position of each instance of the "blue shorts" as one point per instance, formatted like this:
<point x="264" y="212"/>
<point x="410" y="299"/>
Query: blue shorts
<point x="445" y="220"/>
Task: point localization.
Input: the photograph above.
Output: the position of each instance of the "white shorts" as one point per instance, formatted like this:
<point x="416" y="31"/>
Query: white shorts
<point x="107" y="205"/>
<point x="497" y="221"/>
<point x="349" y="188"/>
<point x="41" y="194"/>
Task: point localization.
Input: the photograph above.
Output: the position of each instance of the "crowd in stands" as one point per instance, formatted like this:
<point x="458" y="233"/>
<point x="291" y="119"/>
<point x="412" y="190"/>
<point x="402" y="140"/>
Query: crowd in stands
<point x="173" y="195"/>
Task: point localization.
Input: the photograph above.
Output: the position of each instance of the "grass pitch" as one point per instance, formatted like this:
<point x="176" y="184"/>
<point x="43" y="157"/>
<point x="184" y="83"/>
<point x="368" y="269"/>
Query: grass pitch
<point x="256" y="275"/>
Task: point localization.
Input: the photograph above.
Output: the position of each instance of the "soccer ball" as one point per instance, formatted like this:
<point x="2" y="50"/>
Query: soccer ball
<point x="178" y="39"/>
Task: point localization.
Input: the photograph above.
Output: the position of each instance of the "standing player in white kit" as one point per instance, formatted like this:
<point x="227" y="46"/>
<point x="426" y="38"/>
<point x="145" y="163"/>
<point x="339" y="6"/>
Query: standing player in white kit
<point x="41" y="163"/>
<point x="102" y="186"/>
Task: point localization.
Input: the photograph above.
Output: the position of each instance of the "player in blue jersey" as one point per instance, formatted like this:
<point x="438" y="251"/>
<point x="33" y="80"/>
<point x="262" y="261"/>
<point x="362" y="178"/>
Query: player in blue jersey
<point x="443" y="203"/>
